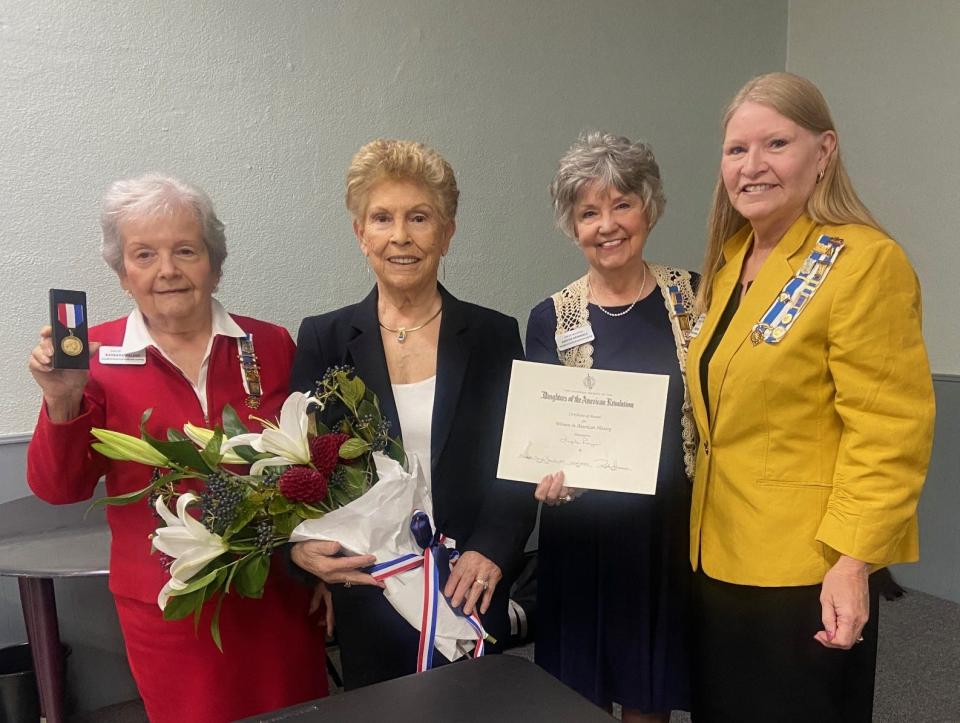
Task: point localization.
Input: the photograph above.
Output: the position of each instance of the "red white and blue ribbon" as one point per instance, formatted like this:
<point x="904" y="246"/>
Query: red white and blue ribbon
<point x="70" y="315"/>
<point x="435" y="561"/>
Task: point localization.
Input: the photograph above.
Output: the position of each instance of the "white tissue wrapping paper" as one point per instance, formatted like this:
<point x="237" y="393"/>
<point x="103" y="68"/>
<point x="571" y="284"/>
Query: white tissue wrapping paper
<point x="378" y="524"/>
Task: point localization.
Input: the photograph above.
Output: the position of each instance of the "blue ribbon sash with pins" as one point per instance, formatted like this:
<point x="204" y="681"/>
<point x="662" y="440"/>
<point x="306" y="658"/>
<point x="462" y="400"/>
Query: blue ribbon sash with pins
<point x="435" y="561"/>
<point x="797" y="292"/>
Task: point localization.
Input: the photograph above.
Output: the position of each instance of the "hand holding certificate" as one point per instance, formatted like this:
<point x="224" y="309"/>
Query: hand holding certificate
<point x="602" y="428"/>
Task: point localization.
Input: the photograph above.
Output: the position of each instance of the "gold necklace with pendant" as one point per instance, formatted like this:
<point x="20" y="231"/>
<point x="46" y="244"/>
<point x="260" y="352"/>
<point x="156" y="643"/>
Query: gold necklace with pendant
<point x="402" y="331"/>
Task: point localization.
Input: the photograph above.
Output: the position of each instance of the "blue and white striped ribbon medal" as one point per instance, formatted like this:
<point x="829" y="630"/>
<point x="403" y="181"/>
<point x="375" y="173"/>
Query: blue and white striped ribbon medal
<point x="797" y="292"/>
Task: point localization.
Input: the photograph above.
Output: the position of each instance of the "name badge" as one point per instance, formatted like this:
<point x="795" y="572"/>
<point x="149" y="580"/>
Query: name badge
<point x="113" y="355"/>
<point x="574" y="337"/>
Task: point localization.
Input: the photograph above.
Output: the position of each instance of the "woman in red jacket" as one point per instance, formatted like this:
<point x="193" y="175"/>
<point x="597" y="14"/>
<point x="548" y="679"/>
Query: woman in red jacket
<point x="176" y="352"/>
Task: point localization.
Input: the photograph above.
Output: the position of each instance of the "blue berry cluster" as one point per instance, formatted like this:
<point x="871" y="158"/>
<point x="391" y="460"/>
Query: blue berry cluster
<point x="220" y="502"/>
<point x="264" y="530"/>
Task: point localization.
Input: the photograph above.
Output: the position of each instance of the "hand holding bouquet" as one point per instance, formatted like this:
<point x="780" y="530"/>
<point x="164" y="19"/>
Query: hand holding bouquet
<point x="238" y="495"/>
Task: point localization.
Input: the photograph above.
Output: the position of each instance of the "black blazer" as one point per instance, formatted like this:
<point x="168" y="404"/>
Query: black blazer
<point x="476" y="349"/>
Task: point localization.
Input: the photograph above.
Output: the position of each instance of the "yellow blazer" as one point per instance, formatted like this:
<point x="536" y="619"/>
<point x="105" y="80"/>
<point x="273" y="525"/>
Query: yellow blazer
<point x="818" y="445"/>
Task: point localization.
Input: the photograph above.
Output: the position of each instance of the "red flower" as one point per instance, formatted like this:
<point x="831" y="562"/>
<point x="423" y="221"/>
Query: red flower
<point x="302" y="484"/>
<point x="325" y="451"/>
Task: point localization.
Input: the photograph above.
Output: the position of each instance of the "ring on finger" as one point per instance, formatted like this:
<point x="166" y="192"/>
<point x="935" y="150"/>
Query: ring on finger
<point x="348" y="584"/>
<point x="481" y="582"/>
<point x="859" y="639"/>
<point x="567" y="498"/>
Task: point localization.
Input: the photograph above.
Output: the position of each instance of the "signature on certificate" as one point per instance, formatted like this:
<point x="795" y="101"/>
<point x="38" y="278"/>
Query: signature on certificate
<point x="602" y="462"/>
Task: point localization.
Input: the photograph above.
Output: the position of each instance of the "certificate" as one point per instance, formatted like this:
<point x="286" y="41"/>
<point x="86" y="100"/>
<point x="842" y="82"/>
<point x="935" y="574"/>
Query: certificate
<point x="601" y="428"/>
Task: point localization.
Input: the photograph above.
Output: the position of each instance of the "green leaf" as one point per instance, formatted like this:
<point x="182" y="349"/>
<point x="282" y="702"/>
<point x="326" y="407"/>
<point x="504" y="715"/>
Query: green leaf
<point x="366" y="407"/>
<point x="215" y="623"/>
<point x="198" y="582"/>
<point x="309" y="512"/>
<point x="395" y="452"/>
<point x="211" y="452"/>
<point x="131" y="497"/>
<point x="249" y="509"/>
<point x="285" y="524"/>
<point x="280" y="505"/>
<point x="252" y="575"/>
<point x="353" y="390"/>
<point x="249" y="453"/>
<point x="356" y="481"/>
<point x="121" y="500"/>
<point x="353" y="448"/>
<point x="182" y="452"/>
<point x="232" y="424"/>
<point x="181" y="606"/>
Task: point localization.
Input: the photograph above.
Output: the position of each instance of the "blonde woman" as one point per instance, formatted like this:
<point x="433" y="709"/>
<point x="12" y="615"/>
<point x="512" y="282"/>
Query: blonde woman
<point x="440" y="367"/>
<point x="813" y="397"/>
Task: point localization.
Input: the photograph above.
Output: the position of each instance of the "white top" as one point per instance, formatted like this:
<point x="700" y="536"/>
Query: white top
<point x="415" y="409"/>
<point x="137" y="337"/>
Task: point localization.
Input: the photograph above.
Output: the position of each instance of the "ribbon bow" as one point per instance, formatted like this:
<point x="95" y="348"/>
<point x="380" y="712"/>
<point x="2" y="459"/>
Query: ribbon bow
<point x="435" y="561"/>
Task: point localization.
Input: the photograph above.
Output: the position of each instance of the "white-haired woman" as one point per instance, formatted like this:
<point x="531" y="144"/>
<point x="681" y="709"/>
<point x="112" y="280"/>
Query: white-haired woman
<point x="177" y="352"/>
<point x="612" y="580"/>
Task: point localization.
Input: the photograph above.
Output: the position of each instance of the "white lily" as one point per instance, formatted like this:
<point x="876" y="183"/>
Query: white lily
<point x="187" y="541"/>
<point x="287" y="440"/>
<point x="201" y="437"/>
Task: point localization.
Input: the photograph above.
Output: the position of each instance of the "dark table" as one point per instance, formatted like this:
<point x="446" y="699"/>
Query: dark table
<point x="499" y="688"/>
<point x="40" y="542"/>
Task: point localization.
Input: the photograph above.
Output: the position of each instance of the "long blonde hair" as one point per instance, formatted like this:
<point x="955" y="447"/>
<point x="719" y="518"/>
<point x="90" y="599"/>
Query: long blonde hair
<point x="833" y="201"/>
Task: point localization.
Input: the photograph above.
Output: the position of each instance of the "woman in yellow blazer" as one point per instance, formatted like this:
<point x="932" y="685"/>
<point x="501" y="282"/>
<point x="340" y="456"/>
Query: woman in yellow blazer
<point x="813" y="398"/>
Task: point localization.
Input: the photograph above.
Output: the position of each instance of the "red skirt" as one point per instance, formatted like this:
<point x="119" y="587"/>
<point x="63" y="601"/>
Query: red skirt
<point x="273" y="656"/>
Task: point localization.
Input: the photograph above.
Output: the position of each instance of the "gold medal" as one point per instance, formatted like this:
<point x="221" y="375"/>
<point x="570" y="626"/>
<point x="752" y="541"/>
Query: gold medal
<point x="72" y="346"/>
<point x="756" y="336"/>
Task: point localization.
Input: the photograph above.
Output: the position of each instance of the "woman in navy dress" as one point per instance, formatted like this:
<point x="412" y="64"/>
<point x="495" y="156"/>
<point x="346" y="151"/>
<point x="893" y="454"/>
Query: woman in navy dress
<point x="613" y="576"/>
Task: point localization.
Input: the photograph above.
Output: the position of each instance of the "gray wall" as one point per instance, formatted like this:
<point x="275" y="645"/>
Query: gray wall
<point x="889" y="71"/>
<point x="263" y="103"/>
<point x="938" y="571"/>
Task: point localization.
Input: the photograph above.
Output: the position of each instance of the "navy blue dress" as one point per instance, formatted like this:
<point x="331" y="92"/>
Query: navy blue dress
<point x="613" y="572"/>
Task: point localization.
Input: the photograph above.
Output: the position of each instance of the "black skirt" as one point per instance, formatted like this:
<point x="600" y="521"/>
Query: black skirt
<point x="755" y="658"/>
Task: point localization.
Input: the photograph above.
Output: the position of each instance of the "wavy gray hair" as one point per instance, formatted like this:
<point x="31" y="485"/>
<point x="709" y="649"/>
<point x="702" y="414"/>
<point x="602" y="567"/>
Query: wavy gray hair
<point x="156" y="194"/>
<point x="612" y="161"/>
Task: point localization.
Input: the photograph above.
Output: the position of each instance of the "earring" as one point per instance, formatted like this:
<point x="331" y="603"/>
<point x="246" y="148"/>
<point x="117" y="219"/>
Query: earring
<point x="819" y="175"/>
<point x="443" y="268"/>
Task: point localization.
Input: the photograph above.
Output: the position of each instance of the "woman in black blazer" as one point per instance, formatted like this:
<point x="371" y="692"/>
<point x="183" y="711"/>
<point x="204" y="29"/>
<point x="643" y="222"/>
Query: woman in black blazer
<point x="440" y="367"/>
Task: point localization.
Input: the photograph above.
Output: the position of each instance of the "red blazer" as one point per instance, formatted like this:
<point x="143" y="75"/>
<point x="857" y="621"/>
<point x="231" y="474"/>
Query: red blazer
<point x="63" y="468"/>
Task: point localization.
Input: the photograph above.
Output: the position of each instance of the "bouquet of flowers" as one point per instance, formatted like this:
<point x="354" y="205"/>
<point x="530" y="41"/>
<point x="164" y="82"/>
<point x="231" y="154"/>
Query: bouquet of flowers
<point x="217" y="537"/>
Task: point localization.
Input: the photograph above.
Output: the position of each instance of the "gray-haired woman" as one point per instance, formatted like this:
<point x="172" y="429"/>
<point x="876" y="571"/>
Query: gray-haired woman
<point x="177" y="352"/>
<point x="613" y="576"/>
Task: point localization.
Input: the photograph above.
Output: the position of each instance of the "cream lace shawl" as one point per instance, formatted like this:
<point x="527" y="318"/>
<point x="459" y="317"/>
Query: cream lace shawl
<point x="572" y="313"/>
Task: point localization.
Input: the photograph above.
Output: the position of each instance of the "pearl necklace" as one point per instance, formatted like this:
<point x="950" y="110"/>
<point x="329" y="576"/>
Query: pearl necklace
<point x="615" y="314"/>
<point x="402" y="331"/>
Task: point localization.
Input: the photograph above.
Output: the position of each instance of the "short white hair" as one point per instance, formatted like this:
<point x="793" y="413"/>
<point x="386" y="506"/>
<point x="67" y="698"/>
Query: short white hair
<point x="157" y="194"/>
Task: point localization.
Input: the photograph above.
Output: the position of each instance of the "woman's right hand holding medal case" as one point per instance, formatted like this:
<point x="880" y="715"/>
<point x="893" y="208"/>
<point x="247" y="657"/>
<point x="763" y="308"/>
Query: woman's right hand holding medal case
<point x="62" y="388"/>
